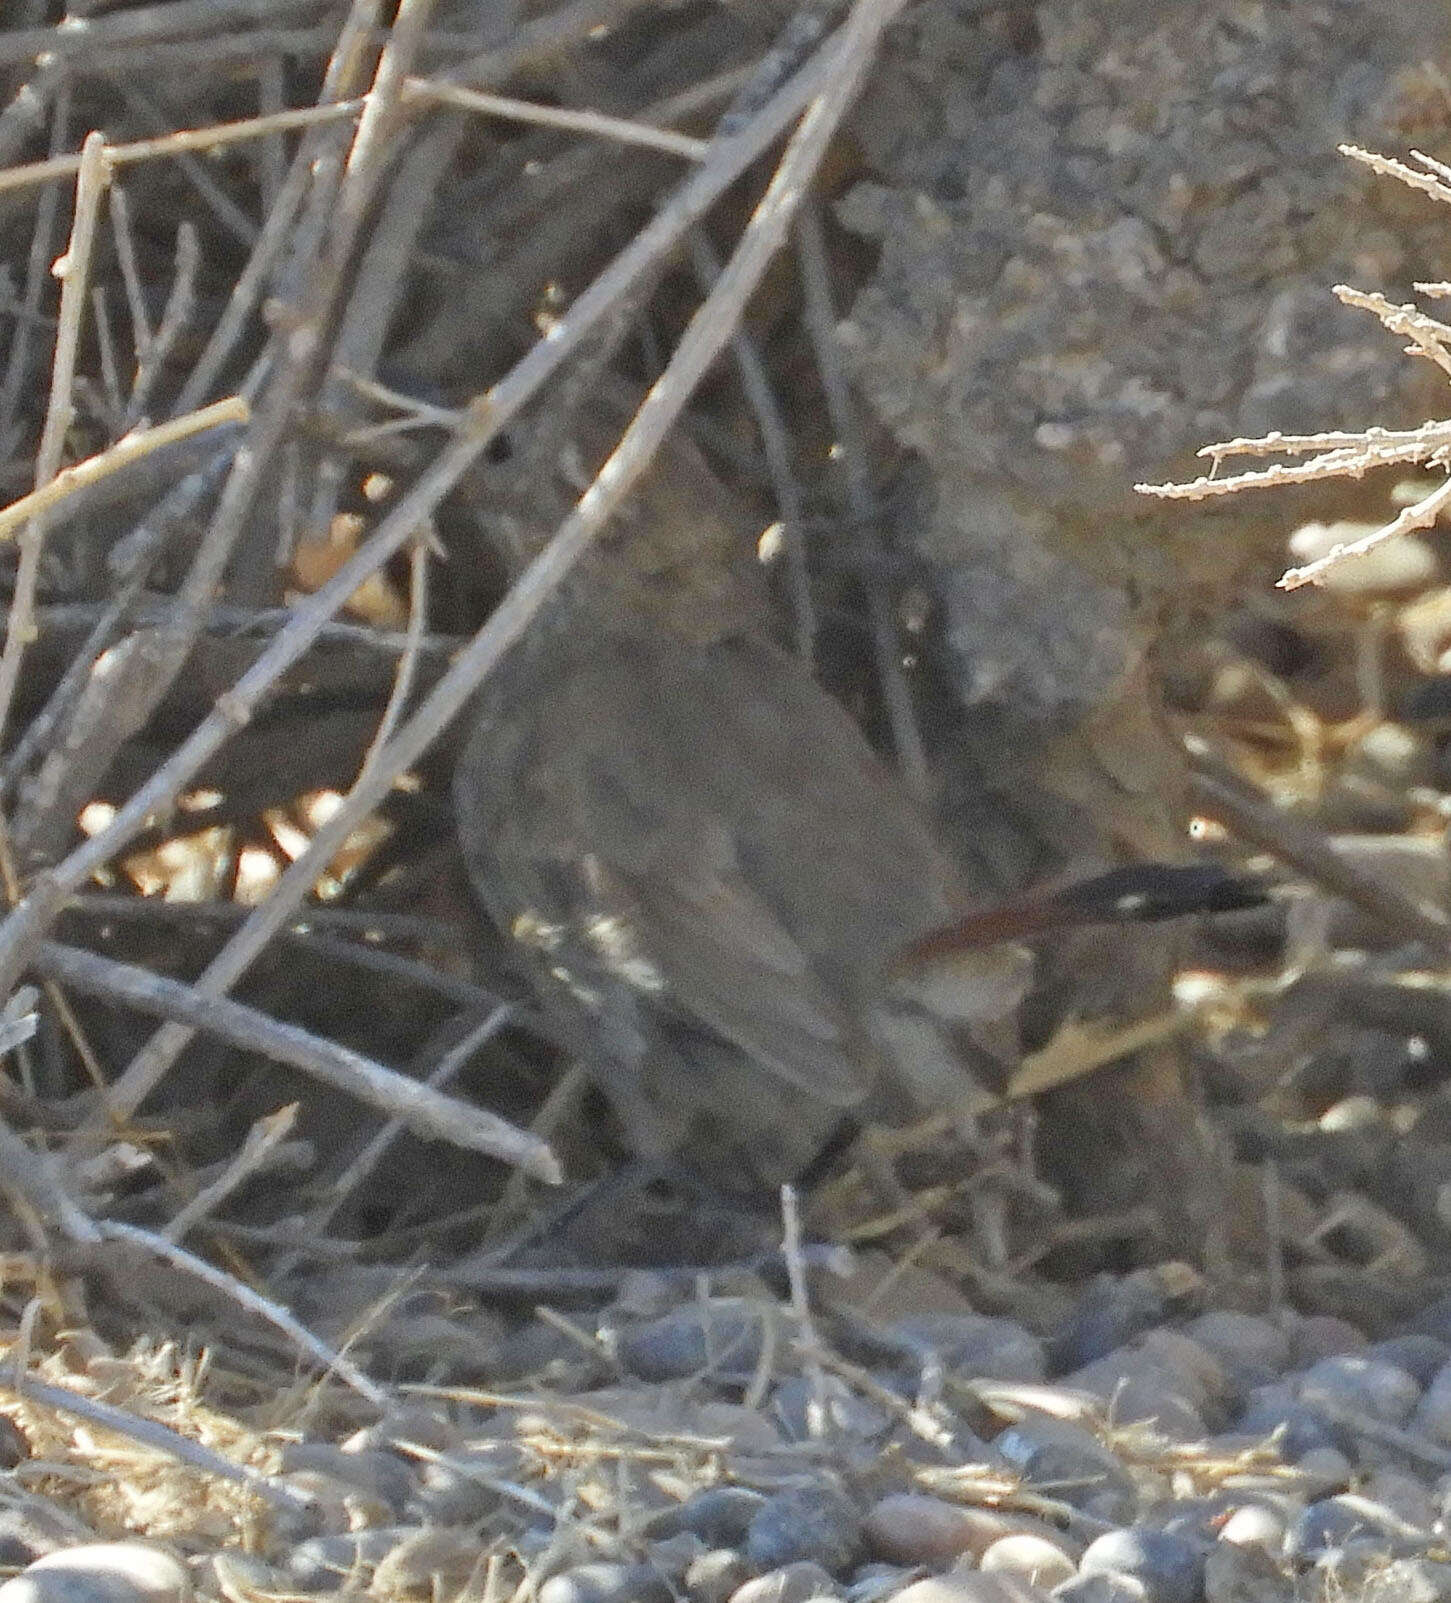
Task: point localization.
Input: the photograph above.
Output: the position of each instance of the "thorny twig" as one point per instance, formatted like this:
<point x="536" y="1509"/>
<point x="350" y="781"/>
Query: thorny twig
<point x="1345" y="454"/>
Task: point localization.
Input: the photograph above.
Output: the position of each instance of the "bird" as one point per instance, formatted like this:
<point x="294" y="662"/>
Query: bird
<point x="744" y="926"/>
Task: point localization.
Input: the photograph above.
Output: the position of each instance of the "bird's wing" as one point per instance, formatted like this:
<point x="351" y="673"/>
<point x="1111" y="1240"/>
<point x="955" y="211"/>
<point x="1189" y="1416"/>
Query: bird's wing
<point x="726" y="961"/>
<point x="589" y="818"/>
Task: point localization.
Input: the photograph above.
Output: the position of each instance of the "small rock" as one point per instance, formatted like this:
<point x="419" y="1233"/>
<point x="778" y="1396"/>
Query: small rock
<point x="1409" y="1580"/>
<point x="1170" y="1569"/>
<point x="1139" y="1389"/>
<point x="1434" y="1319"/>
<point x="1422" y="1357"/>
<point x="543" y="1352"/>
<point x="14" y="1448"/>
<point x="1105" y="1588"/>
<point x="1351" y="1381"/>
<point x="977" y="1346"/>
<point x="1433" y="1417"/>
<point x="606" y="1583"/>
<point x="101" y="1572"/>
<point x="231" y="1573"/>
<point x="694" y="1340"/>
<point x="1111" y="1311"/>
<point x="1035" y="1558"/>
<point x="1324" y="1470"/>
<point x="335" y="1505"/>
<point x="383" y="1474"/>
<point x="27" y="1532"/>
<point x="1236" y="1574"/>
<point x="1063" y="1452"/>
<point x="848" y="1414"/>
<point x="804" y="1522"/>
<point x="1402" y="1494"/>
<point x="874" y="1583"/>
<point x="1317" y="1336"/>
<point x="411" y="1423"/>
<point x="324" y="1563"/>
<point x="1254" y="1525"/>
<point x="1250" y="1348"/>
<point x="1296" y="1426"/>
<point x="1403" y="562"/>
<point x="720" y="1516"/>
<point x="971" y="1586"/>
<point x="911" y="1528"/>
<point x="429" y="1559"/>
<point x="460" y="1488"/>
<point x="715" y="1575"/>
<point x="792" y="1583"/>
<point x="673" y="1555"/>
<point x="1344" y="1521"/>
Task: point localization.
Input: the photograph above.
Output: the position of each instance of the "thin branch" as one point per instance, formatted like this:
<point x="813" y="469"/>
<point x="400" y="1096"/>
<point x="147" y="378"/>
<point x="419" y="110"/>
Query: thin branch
<point x="595" y="123"/>
<point x="264" y="1308"/>
<point x="175" y="317"/>
<point x="152" y="1433"/>
<point x="821" y="321"/>
<point x="131" y="448"/>
<point x="426" y="1112"/>
<point x="1420" y="514"/>
<point x="74" y="272"/>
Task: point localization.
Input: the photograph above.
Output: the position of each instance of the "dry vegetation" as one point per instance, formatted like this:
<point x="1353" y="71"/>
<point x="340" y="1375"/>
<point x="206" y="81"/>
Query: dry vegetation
<point x="279" y="1112"/>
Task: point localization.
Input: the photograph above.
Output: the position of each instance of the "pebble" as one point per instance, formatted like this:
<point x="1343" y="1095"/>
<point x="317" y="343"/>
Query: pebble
<point x="977" y="1346"/>
<point x="607" y="1583"/>
<point x="324" y="1563"/>
<point x="715" y="1575"/>
<point x="232" y="1573"/>
<point x="720" y="1516"/>
<point x="1433" y="1416"/>
<point x="28" y="1532"/>
<point x="1170" y="1569"/>
<point x="1138" y="1388"/>
<point x="1244" y="1575"/>
<point x="1252" y="1349"/>
<point x="722" y="1342"/>
<point x="1317" y="1336"/>
<point x="804" y="1522"/>
<point x="1422" y="1357"/>
<point x="1296" y="1426"/>
<point x="791" y="1583"/>
<point x="14" y="1448"/>
<point x="1111" y="1312"/>
<point x="1409" y="1580"/>
<point x="1254" y="1525"/>
<point x="1080" y="1469"/>
<point x="1035" y="1558"/>
<point x="1433" y="1320"/>
<point x="910" y="1528"/>
<point x="674" y="1555"/>
<point x="1105" y="1588"/>
<point x="1324" y="1469"/>
<point x="460" y="1488"/>
<point x="848" y="1413"/>
<point x="1402" y="1494"/>
<point x="383" y="1474"/>
<point x="971" y="1586"/>
<point x="1343" y="1521"/>
<point x="335" y="1505"/>
<point x="1356" y="1383"/>
<point x="101" y="1572"/>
